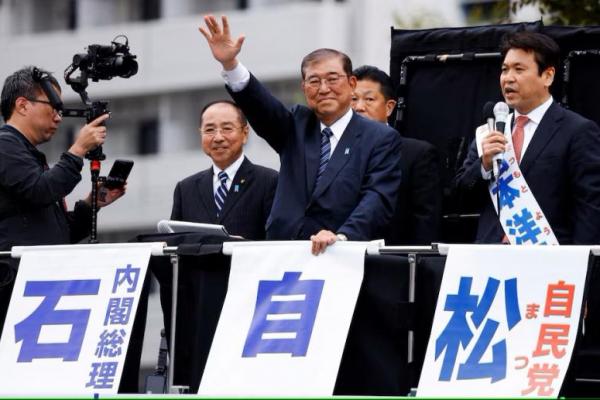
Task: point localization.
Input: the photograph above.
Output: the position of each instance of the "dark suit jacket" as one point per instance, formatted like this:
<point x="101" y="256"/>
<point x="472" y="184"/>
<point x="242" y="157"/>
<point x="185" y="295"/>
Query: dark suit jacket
<point x="356" y="195"/>
<point x="245" y="211"/>
<point x="562" y="168"/>
<point x="418" y="214"/>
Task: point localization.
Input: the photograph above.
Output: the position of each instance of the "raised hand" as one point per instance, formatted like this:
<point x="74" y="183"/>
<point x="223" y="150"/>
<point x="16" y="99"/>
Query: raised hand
<point x="222" y="46"/>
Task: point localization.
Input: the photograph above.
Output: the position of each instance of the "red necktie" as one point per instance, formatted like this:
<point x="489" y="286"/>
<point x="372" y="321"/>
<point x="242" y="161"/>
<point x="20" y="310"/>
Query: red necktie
<point x="518" y="135"/>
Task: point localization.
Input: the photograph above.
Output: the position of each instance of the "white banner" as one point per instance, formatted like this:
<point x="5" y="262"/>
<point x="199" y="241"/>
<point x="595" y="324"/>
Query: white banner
<point x="505" y="322"/>
<point x="70" y="318"/>
<point x="285" y="320"/>
<point x="520" y="215"/>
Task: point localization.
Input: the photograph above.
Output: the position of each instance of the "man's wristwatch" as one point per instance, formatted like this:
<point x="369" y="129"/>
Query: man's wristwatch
<point x="342" y="237"/>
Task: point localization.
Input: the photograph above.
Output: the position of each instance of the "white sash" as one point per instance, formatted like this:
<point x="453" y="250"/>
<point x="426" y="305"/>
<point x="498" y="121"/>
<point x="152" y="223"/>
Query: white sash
<point x="520" y="215"/>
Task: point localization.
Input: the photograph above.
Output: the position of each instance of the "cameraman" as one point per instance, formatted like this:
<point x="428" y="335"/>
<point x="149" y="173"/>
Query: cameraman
<point x="32" y="207"/>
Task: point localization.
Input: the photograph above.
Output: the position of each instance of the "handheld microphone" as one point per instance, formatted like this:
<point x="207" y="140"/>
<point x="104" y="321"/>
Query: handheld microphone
<point x="500" y="115"/>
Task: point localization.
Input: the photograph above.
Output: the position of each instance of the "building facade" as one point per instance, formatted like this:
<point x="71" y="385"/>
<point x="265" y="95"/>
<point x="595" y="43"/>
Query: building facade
<point x="155" y="113"/>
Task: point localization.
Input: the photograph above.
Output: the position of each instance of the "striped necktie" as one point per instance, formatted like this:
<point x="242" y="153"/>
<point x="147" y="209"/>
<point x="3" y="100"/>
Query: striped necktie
<point x="221" y="193"/>
<point x="325" y="150"/>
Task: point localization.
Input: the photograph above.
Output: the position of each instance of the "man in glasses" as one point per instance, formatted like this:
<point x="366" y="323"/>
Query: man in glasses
<point x="233" y="192"/>
<point x="32" y="207"/>
<point x="339" y="171"/>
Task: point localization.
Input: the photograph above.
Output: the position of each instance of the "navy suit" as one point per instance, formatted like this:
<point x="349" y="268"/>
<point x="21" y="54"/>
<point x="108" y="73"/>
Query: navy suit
<point x="418" y="213"/>
<point x="562" y="168"/>
<point x="245" y="210"/>
<point x="356" y="195"/>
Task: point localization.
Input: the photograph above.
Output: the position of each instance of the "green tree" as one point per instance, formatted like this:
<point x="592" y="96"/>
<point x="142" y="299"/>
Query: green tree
<point x="564" y="12"/>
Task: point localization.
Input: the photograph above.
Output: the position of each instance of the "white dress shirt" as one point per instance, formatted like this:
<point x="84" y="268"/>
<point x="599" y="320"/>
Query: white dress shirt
<point x="535" y="117"/>
<point x="338" y="128"/>
<point x="237" y="79"/>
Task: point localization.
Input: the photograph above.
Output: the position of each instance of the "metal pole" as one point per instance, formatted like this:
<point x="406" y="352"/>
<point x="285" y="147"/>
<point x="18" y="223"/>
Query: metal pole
<point x="412" y="272"/>
<point x="171" y="388"/>
<point x="174" y="287"/>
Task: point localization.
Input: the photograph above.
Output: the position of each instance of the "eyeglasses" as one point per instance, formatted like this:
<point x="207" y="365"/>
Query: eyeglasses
<point x="225" y="130"/>
<point x="330" y="80"/>
<point x="59" y="112"/>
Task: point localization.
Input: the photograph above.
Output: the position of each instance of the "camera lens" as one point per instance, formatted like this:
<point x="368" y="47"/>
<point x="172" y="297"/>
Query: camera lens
<point x="125" y="66"/>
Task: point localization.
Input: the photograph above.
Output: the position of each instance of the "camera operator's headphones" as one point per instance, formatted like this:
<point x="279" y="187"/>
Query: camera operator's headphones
<point x="43" y="79"/>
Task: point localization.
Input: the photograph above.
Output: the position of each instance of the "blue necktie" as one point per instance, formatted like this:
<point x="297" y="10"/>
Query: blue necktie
<point x="221" y="193"/>
<point x="325" y="150"/>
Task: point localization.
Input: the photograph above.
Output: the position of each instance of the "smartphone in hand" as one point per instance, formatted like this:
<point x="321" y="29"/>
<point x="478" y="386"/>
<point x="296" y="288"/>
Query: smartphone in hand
<point x="117" y="177"/>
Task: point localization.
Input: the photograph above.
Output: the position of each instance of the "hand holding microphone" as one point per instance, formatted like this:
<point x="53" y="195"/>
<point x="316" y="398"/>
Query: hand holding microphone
<point x="493" y="145"/>
<point x="500" y="115"/>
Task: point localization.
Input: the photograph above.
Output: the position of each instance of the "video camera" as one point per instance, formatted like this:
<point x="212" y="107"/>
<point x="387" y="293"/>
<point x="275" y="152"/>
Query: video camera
<point x="99" y="63"/>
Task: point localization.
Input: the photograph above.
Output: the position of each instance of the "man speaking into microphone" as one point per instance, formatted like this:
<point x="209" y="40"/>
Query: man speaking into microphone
<point x="547" y="187"/>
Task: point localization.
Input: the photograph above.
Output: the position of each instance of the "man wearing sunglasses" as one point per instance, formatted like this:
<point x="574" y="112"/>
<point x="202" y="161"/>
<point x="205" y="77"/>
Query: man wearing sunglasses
<point x="32" y="207"/>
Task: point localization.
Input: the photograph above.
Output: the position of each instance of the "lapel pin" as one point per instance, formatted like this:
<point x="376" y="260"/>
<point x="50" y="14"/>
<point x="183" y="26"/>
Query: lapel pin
<point x="236" y="188"/>
<point x="347" y="151"/>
